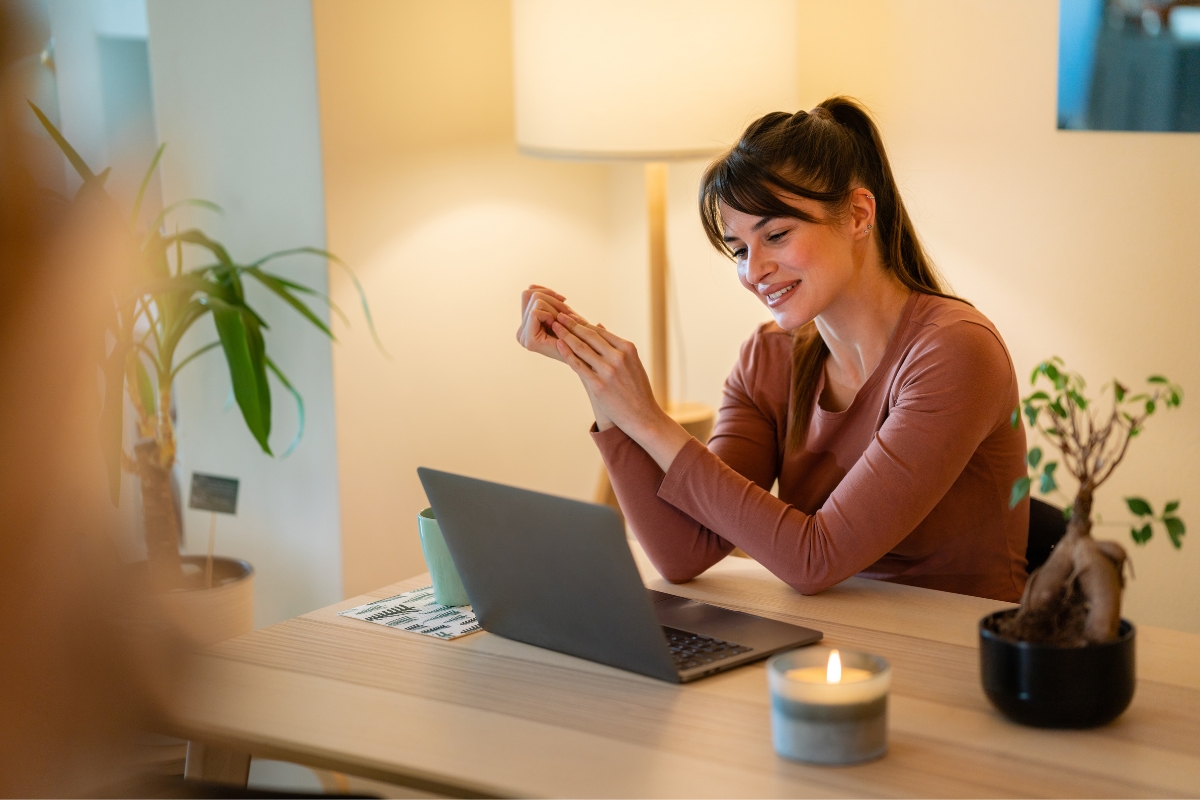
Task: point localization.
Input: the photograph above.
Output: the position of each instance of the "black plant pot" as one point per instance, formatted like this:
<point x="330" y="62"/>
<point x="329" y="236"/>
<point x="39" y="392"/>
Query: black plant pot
<point x="1050" y="686"/>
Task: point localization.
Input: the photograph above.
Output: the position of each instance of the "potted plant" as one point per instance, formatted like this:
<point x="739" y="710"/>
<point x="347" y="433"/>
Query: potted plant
<point x="141" y="358"/>
<point x="1065" y="658"/>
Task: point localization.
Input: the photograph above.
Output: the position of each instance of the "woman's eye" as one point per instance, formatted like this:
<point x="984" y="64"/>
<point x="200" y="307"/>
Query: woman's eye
<point x="740" y="253"/>
<point x="775" y="237"/>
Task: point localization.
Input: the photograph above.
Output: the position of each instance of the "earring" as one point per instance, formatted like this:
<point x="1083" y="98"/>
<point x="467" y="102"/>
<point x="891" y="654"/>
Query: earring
<point x="869" y="227"/>
<point x="870" y="195"/>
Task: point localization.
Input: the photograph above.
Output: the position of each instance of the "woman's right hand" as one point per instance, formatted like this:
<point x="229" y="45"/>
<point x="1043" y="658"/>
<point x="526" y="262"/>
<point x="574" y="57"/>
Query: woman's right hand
<point x="540" y="307"/>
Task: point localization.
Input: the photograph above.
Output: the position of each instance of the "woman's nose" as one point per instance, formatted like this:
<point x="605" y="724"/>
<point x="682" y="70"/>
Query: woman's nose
<point x="757" y="266"/>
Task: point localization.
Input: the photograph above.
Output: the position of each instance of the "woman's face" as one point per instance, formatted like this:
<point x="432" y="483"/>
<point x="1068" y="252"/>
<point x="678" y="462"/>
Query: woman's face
<point x="797" y="269"/>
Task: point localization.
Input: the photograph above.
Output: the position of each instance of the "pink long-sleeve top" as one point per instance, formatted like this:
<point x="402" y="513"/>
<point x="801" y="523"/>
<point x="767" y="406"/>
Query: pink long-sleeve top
<point x="909" y="484"/>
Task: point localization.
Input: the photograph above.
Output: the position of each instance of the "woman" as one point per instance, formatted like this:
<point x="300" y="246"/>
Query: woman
<point x="879" y="403"/>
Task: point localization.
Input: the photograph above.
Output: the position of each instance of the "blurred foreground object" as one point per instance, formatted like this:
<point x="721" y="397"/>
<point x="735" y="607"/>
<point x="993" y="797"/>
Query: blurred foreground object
<point x="83" y="669"/>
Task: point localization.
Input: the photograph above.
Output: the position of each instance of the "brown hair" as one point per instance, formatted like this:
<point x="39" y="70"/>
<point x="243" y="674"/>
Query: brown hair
<point x="820" y="155"/>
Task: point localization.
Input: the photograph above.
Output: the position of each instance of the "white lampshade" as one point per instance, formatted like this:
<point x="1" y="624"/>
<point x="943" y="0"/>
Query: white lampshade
<point x="648" y="79"/>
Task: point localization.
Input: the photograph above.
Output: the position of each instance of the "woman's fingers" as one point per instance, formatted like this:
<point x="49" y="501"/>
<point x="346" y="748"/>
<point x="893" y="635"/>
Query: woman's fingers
<point x="588" y="333"/>
<point x="578" y="346"/>
<point x="546" y="290"/>
<point x="573" y="361"/>
<point x="535" y="333"/>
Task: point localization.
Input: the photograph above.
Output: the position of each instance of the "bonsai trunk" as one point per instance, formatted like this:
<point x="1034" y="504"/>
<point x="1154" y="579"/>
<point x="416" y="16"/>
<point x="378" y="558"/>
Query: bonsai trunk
<point x="158" y="511"/>
<point x="1075" y="597"/>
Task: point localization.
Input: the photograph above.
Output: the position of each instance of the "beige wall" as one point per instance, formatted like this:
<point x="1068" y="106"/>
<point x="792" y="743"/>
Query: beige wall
<point x="445" y="224"/>
<point x="1083" y="245"/>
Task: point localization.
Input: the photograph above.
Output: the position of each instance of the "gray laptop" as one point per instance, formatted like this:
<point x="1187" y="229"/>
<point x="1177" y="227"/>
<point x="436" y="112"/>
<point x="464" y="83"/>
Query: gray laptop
<point x="558" y="574"/>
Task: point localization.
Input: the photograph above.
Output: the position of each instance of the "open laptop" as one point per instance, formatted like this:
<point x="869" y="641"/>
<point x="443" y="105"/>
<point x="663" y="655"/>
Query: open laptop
<point x="558" y="574"/>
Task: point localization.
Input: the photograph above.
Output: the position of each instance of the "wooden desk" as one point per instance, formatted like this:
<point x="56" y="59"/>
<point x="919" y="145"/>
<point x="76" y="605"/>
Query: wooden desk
<point x="482" y="715"/>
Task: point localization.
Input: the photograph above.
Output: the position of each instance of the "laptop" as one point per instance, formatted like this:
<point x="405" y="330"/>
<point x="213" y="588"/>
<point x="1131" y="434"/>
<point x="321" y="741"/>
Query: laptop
<point x="558" y="573"/>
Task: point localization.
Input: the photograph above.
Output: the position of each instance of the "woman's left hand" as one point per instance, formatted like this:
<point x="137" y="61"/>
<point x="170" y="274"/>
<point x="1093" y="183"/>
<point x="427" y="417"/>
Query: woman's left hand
<point x="615" y="380"/>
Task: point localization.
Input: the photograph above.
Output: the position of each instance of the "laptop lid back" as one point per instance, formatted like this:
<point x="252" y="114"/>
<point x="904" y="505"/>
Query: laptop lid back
<point x="549" y="571"/>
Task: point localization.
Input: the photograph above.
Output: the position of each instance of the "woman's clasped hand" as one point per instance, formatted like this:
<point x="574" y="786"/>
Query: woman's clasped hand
<point x="608" y="366"/>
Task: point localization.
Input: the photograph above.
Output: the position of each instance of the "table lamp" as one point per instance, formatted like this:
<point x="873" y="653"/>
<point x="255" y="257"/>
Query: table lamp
<point x="650" y="81"/>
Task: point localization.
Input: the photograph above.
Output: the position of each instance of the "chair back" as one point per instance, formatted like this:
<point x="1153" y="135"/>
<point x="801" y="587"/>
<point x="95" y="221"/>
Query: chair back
<point x="1047" y="526"/>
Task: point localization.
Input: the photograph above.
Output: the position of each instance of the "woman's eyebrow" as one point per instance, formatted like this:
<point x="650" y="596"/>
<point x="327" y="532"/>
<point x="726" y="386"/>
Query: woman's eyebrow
<point x="757" y="226"/>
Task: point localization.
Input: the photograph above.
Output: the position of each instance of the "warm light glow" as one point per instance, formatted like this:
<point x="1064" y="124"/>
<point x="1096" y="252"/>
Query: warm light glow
<point x="649" y="79"/>
<point x="833" y="673"/>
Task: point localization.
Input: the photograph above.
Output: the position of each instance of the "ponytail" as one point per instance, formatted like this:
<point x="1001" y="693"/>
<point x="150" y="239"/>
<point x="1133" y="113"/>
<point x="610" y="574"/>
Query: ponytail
<point x="822" y="155"/>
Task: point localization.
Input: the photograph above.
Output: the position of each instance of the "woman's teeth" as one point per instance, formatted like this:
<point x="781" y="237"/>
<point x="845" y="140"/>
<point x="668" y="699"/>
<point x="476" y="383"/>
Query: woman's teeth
<point x="783" y="291"/>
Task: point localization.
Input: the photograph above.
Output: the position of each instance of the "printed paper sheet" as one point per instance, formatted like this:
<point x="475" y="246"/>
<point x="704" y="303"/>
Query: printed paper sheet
<point x="417" y="612"/>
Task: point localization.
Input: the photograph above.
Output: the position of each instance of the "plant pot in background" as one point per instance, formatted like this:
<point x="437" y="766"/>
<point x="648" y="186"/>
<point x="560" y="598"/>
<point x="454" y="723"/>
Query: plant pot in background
<point x="1051" y="686"/>
<point x="210" y="615"/>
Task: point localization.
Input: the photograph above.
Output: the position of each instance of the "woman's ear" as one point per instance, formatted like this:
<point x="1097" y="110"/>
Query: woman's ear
<point x="862" y="212"/>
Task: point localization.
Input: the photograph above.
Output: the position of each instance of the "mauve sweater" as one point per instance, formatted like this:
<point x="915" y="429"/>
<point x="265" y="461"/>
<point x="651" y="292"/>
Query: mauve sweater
<point x="909" y="484"/>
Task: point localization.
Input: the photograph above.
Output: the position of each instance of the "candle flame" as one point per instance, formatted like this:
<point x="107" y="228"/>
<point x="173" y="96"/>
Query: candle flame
<point x="833" y="673"/>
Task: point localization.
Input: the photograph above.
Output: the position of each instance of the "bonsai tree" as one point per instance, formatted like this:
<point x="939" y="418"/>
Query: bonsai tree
<point x="148" y="323"/>
<point x="1075" y="597"/>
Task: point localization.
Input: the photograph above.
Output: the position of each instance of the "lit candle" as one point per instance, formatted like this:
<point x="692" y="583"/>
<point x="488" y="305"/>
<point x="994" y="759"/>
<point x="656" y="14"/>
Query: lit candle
<point x="829" y="706"/>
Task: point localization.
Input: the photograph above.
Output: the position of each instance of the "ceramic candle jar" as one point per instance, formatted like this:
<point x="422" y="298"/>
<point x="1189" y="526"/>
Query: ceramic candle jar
<point x="829" y="706"/>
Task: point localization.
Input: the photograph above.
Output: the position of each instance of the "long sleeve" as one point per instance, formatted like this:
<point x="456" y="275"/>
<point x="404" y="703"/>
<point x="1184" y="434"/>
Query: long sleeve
<point x="743" y="439"/>
<point x="948" y="392"/>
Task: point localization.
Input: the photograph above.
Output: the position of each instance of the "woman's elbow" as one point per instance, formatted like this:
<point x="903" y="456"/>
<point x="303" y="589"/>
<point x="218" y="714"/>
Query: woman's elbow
<point x="808" y="585"/>
<point x="678" y="574"/>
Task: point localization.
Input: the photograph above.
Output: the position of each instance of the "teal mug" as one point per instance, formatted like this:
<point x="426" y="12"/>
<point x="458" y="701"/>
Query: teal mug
<point x="447" y="587"/>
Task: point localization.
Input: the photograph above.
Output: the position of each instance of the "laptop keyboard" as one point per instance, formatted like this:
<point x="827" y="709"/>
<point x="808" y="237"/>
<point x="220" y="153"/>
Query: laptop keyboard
<point x="693" y="650"/>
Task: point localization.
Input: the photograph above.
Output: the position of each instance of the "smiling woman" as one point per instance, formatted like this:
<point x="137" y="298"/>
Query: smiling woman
<point x="879" y="403"/>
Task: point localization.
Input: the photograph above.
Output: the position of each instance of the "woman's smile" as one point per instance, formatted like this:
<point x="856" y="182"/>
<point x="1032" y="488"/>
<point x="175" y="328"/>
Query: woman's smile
<point x="777" y="293"/>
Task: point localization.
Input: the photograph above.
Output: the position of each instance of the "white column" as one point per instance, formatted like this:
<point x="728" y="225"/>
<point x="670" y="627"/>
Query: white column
<point x="235" y="100"/>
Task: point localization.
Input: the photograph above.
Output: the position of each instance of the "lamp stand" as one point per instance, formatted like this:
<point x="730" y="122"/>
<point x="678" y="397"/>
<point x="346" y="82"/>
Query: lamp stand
<point x="656" y="218"/>
<point x="696" y="418"/>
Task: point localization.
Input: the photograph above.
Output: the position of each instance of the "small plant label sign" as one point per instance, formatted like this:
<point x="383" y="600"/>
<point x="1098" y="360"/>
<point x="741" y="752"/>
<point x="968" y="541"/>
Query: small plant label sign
<point x="214" y="493"/>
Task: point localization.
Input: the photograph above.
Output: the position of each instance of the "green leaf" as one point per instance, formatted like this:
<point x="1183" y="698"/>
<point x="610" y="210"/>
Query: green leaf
<point x="1139" y="506"/>
<point x="1053" y="374"/>
<point x="286" y="295"/>
<point x="362" y="295"/>
<point x="1157" y="379"/>
<point x="191" y="201"/>
<point x="145" y="388"/>
<point x="1141" y="535"/>
<point x="1020" y="489"/>
<point x="141" y="194"/>
<point x="198" y="237"/>
<point x="1057" y="408"/>
<point x="1031" y="414"/>
<point x="193" y="356"/>
<point x="1119" y="390"/>
<point x="1015" y="419"/>
<point x="1175" y="529"/>
<point x="1150" y="406"/>
<point x="299" y="406"/>
<point x="1170" y="507"/>
<point x="245" y="353"/>
<point x="1048" y="484"/>
<point x="1034" y="458"/>
<point x="1037" y="396"/>
<point x="1079" y="400"/>
<point x="76" y="160"/>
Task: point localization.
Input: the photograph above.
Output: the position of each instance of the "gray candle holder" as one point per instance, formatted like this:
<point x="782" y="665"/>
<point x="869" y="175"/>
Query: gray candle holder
<point x="829" y="723"/>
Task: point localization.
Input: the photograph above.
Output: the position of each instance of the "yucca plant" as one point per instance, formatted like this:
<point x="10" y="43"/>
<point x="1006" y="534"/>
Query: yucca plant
<point x="149" y="322"/>
<point x="1075" y="597"/>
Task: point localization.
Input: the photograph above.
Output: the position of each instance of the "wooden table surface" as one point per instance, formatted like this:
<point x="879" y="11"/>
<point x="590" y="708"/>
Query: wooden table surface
<point x="482" y="715"/>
